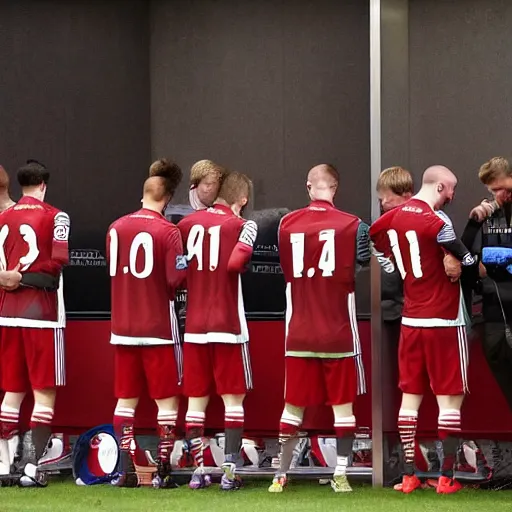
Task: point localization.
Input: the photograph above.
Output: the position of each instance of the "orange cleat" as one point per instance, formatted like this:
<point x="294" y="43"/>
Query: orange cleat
<point x="447" y="485"/>
<point x="409" y="483"/>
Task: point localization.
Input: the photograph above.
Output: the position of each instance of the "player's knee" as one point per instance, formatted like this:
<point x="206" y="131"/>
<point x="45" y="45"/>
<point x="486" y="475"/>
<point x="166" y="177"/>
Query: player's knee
<point x="233" y="400"/>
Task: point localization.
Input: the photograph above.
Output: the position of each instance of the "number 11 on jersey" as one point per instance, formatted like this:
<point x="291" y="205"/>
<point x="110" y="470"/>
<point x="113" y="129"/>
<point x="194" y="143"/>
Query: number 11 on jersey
<point x="327" y="260"/>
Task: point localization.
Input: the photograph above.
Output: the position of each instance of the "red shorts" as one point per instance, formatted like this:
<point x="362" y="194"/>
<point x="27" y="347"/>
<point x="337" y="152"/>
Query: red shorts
<point x="221" y="367"/>
<point x="32" y="358"/>
<point x="319" y="381"/>
<point x="435" y="354"/>
<point x="154" y="365"/>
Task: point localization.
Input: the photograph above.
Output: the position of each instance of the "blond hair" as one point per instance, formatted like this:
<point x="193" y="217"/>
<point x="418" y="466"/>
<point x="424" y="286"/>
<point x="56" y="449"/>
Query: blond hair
<point x="204" y="168"/>
<point x="397" y="179"/>
<point x="235" y="186"/>
<point x="493" y="169"/>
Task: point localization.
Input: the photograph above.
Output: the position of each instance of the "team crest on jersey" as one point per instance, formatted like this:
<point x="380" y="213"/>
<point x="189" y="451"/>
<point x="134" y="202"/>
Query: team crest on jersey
<point x="181" y="262"/>
<point x="61" y="227"/>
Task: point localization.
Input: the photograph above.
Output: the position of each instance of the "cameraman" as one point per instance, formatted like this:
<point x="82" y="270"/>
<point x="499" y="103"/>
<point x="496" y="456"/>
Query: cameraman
<point x="489" y="228"/>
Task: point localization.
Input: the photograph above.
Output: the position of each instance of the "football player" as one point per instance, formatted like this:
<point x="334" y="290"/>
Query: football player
<point x="145" y="257"/>
<point x="320" y="248"/>
<point x="34" y="243"/>
<point x="219" y="244"/>
<point x="433" y="336"/>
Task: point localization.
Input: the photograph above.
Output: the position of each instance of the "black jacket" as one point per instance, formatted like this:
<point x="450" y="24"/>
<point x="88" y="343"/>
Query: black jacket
<point x="493" y="232"/>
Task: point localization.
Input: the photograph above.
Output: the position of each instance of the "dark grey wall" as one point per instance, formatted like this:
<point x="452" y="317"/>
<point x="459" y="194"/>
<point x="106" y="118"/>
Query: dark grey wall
<point x="269" y="88"/>
<point x="460" y="78"/>
<point x="74" y="93"/>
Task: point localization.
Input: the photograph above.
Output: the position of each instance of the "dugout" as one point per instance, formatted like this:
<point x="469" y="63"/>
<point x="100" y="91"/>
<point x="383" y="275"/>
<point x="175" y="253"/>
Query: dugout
<point x="98" y="90"/>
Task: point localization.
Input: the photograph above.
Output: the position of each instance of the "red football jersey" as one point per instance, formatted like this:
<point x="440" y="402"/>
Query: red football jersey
<point x="410" y="233"/>
<point x="145" y="258"/>
<point x="317" y="249"/>
<point x="34" y="235"/>
<point x="214" y="239"/>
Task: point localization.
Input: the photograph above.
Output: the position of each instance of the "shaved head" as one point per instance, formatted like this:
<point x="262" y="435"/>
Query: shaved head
<point x="438" y="186"/>
<point x="322" y="182"/>
<point x="438" y="174"/>
<point x="323" y="173"/>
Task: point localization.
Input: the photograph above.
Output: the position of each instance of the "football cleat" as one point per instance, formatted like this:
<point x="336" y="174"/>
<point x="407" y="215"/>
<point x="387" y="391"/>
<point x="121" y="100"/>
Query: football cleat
<point x="199" y="479"/>
<point x="163" y="478"/>
<point x="32" y="477"/>
<point x="230" y="481"/>
<point x="447" y="485"/>
<point x="409" y="484"/>
<point x="339" y="483"/>
<point x="278" y="484"/>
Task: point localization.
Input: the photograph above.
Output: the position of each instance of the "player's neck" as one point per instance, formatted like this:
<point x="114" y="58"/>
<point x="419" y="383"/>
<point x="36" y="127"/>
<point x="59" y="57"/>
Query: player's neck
<point x="221" y="202"/>
<point x="322" y="198"/>
<point x="34" y="193"/>
<point x="427" y="195"/>
<point x="5" y="201"/>
<point x="153" y="206"/>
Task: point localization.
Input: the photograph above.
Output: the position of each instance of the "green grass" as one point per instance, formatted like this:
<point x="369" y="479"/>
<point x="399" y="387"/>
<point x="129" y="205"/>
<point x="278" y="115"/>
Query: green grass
<point x="299" y="496"/>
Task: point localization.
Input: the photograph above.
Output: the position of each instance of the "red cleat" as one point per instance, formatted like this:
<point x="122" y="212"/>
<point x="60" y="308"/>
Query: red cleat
<point x="409" y="483"/>
<point x="447" y="485"/>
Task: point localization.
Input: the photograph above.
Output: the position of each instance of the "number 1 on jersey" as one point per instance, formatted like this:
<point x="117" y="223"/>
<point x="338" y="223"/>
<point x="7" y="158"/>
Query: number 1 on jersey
<point x="144" y="240"/>
<point x="327" y="260"/>
<point x="414" y="251"/>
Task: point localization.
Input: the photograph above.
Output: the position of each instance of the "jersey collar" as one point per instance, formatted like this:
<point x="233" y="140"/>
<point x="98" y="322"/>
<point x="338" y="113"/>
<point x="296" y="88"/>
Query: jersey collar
<point x="320" y="203"/>
<point x="147" y="211"/>
<point x="223" y="208"/>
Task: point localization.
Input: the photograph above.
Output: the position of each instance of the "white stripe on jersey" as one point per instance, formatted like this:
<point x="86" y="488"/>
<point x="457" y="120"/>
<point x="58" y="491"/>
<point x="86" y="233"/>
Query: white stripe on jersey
<point x="116" y="339"/>
<point x="289" y="309"/>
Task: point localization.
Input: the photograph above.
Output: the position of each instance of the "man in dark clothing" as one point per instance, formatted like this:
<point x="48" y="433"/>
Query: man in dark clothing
<point x="488" y="234"/>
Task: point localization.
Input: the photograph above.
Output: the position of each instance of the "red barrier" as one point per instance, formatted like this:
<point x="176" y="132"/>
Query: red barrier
<point x="88" y="399"/>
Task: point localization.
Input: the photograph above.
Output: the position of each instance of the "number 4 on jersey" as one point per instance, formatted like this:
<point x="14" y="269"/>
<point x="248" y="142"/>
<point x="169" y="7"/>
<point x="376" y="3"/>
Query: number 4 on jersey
<point x="327" y="260"/>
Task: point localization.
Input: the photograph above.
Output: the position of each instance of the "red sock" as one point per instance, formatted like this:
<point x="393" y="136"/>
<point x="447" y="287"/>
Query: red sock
<point x="9" y="422"/>
<point x="41" y="415"/>
<point x="195" y="431"/>
<point x="407" y="425"/>
<point x="124" y="420"/>
<point x="344" y="426"/>
<point x="234" y="417"/>
<point x="289" y="425"/>
<point x="449" y="426"/>
<point x="167" y="434"/>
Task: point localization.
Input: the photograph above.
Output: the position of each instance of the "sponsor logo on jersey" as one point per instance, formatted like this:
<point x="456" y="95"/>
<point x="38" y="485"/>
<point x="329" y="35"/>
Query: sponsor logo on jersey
<point x="412" y="209"/>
